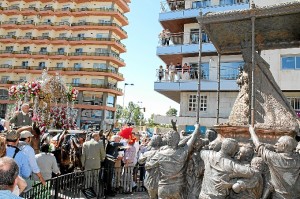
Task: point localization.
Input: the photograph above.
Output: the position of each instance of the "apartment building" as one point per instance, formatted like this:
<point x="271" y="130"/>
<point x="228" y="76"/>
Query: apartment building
<point x="180" y="18"/>
<point x="79" y="39"/>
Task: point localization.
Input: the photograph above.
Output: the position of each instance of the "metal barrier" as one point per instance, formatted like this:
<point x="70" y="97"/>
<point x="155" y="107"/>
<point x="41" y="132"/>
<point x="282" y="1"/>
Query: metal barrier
<point x="89" y="184"/>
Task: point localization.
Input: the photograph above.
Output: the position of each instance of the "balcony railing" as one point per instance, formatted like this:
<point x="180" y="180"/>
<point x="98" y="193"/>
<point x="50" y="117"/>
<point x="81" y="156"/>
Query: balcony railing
<point x="173" y="5"/>
<point x="103" y="9"/>
<point x="5" y="66"/>
<point x="62" y="38"/>
<point x="96" y="54"/>
<point x="185" y="38"/>
<point x="105" y="86"/>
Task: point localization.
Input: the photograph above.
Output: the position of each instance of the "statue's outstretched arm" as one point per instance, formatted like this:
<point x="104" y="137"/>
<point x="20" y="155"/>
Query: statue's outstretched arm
<point x="195" y="134"/>
<point x="254" y="136"/>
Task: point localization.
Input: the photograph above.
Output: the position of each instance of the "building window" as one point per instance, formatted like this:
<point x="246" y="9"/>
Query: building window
<point x="60" y="65"/>
<point x="76" y="81"/>
<point x="42" y="65"/>
<point x="290" y="62"/>
<point x="110" y="101"/>
<point x="24" y="64"/>
<point x="62" y="35"/>
<point x="109" y="115"/>
<point x="99" y="65"/>
<point x="9" y="48"/>
<point x="295" y="103"/>
<point x="77" y="65"/>
<point x="193" y="103"/>
<point x="201" y="4"/>
<point x="231" y="70"/>
<point x="43" y="49"/>
<point x="226" y="2"/>
<point x="204" y="70"/>
<point x="4" y="79"/>
<point x="97" y="82"/>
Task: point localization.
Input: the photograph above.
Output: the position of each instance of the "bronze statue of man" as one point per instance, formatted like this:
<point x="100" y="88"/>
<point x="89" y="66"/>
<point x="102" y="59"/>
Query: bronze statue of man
<point x="284" y="165"/>
<point x="171" y="161"/>
<point x="220" y="167"/>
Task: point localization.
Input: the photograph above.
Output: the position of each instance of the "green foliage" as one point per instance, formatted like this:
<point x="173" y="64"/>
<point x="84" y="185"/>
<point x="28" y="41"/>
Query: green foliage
<point x="131" y="113"/>
<point x="171" y="112"/>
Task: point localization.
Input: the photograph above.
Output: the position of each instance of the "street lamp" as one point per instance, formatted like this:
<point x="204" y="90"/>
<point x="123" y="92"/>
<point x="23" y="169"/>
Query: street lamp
<point x="140" y="107"/>
<point x="126" y="84"/>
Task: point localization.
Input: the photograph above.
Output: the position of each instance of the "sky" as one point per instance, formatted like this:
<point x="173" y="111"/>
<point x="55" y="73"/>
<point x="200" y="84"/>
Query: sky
<point x="141" y="59"/>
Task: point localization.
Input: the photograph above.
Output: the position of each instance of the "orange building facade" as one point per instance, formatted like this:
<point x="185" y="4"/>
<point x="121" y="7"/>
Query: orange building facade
<point x="79" y="39"/>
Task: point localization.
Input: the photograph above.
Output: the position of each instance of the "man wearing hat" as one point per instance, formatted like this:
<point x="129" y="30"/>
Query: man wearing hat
<point x="24" y="146"/>
<point x="12" y="140"/>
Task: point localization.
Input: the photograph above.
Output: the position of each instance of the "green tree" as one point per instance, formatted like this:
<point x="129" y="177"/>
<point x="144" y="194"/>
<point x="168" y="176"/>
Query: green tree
<point x="131" y="113"/>
<point x="171" y="112"/>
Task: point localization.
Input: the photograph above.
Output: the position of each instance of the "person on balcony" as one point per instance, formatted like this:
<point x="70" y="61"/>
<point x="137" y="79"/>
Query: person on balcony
<point x="167" y="73"/>
<point x="161" y="36"/>
<point x="172" y="70"/>
<point x="178" y="71"/>
<point x="167" y="36"/>
<point x="186" y="71"/>
<point x="160" y="73"/>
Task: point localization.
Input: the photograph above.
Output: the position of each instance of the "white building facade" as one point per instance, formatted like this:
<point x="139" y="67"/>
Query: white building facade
<point x="180" y="18"/>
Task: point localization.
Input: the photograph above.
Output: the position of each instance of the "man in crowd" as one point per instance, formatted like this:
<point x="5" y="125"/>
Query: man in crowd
<point x="93" y="153"/>
<point x="112" y="152"/>
<point x="12" y="140"/>
<point x="284" y="165"/>
<point x="22" y="118"/>
<point x="24" y="146"/>
<point x="8" y="178"/>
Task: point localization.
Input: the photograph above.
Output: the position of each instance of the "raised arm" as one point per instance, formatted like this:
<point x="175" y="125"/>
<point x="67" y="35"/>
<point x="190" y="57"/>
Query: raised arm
<point x="195" y="134"/>
<point x="254" y="136"/>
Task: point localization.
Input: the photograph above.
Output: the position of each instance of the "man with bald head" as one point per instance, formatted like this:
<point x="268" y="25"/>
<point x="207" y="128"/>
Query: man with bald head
<point x="284" y="165"/>
<point x="9" y="171"/>
<point x="93" y="153"/>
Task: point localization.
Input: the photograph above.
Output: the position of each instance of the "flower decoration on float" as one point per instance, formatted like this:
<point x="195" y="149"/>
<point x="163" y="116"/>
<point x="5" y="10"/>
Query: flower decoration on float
<point x="29" y="89"/>
<point x="72" y="93"/>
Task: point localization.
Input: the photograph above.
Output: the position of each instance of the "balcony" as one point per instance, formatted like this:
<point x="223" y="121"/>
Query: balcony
<point x="96" y="55"/>
<point x="174" y="19"/>
<point x="94" y="87"/>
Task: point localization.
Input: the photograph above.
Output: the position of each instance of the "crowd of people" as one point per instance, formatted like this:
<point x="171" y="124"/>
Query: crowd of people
<point x="172" y="73"/>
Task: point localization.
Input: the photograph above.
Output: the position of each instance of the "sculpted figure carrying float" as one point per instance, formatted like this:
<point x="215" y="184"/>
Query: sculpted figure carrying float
<point x="284" y="165"/>
<point x="152" y="175"/>
<point x="220" y="167"/>
<point x="171" y="161"/>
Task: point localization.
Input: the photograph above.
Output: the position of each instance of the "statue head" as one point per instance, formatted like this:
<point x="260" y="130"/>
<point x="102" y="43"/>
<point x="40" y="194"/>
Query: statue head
<point x="245" y="153"/>
<point x="229" y="147"/>
<point x="156" y="141"/>
<point x="172" y="138"/>
<point x="258" y="164"/>
<point x="211" y="134"/>
<point x="285" y="144"/>
<point x="199" y="143"/>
